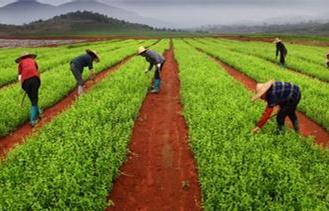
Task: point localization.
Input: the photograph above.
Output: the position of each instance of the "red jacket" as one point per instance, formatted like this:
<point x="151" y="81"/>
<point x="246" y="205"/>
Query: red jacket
<point x="28" y="68"/>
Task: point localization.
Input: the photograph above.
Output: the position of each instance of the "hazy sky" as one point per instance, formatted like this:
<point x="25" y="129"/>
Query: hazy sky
<point x="189" y="13"/>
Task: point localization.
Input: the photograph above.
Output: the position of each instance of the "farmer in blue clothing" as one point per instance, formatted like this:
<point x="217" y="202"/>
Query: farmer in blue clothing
<point x="154" y="59"/>
<point x="283" y="94"/>
<point x="281" y="48"/>
<point x="77" y="65"/>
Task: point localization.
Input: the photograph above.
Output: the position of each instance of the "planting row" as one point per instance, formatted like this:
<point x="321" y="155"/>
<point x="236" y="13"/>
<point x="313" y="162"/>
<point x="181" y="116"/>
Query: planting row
<point x="50" y="58"/>
<point x="71" y="163"/>
<point x="238" y="170"/>
<point x="314" y="92"/>
<point x="54" y="86"/>
<point x="302" y="59"/>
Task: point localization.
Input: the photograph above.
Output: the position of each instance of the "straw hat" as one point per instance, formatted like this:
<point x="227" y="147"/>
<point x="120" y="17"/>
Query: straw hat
<point x="89" y="51"/>
<point x="25" y="55"/>
<point x="262" y="88"/>
<point x="277" y="40"/>
<point x="141" y="50"/>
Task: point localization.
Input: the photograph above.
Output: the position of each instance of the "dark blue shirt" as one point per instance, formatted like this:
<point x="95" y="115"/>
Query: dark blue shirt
<point x="83" y="61"/>
<point x="153" y="58"/>
<point x="281" y="92"/>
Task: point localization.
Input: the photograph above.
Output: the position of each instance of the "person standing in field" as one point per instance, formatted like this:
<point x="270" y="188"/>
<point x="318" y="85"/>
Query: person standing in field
<point x="28" y="75"/>
<point x="327" y="60"/>
<point x="77" y="65"/>
<point x="283" y="94"/>
<point x="154" y="59"/>
<point x="280" y="48"/>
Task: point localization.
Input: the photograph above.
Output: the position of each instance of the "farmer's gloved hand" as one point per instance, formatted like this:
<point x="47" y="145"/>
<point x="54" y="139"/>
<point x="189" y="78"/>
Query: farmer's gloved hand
<point x="146" y="70"/>
<point x="255" y="130"/>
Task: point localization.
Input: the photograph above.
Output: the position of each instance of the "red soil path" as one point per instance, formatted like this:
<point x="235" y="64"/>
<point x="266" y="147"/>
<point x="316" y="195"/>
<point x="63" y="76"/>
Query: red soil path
<point x="307" y="126"/>
<point x="18" y="136"/>
<point x="160" y="174"/>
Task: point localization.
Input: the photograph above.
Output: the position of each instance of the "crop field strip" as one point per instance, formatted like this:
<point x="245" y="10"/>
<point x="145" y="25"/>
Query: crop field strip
<point x="72" y="162"/>
<point x="237" y="170"/>
<point x="49" y="59"/>
<point x="314" y="92"/>
<point x="308" y="127"/>
<point x="23" y="132"/>
<point x="54" y="86"/>
<point x="160" y="171"/>
<point x="301" y="59"/>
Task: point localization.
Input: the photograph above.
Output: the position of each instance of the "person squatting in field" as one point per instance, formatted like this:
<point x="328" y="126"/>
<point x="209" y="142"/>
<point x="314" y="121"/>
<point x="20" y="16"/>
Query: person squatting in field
<point x="283" y="94"/>
<point x="280" y="48"/>
<point x="77" y="65"/>
<point x="154" y="59"/>
<point x="28" y="75"/>
<point x="327" y="60"/>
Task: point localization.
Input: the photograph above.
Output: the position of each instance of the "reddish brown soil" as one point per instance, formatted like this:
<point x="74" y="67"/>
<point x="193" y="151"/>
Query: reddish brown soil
<point x="160" y="173"/>
<point x="307" y="126"/>
<point x="18" y="136"/>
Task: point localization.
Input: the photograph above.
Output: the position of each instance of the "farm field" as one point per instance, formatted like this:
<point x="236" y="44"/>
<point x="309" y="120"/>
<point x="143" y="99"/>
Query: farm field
<point x="190" y="147"/>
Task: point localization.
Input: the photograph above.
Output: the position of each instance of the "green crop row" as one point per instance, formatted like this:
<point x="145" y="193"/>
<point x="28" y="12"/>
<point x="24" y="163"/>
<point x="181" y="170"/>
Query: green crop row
<point x="315" y="94"/>
<point x="72" y="162"/>
<point x="54" y="86"/>
<point x="238" y="170"/>
<point x="301" y="59"/>
<point x="49" y="59"/>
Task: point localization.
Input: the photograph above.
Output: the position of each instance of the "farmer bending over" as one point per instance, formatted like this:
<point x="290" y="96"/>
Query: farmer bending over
<point x="77" y="65"/>
<point x="280" y="48"/>
<point x="327" y="60"/>
<point x="28" y="75"/>
<point x="282" y="94"/>
<point x="154" y="59"/>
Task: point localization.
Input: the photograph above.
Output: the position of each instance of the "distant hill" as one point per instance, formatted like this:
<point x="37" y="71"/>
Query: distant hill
<point x="26" y="11"/>
<point x="76" y="23"/>
<point x="306" y="28"/>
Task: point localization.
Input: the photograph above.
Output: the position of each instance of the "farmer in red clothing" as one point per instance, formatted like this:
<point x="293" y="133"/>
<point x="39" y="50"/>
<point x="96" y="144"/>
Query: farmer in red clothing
<point x="282" y="94"/>
<point x="28" y="75"/>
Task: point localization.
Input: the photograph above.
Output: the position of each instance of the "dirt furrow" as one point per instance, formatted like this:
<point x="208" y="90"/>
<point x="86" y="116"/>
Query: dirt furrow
<point x="160" y="173"/>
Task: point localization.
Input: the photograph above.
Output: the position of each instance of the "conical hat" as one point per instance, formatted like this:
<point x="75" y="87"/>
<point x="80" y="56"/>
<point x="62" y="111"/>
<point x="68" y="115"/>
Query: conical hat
<point x="262" y="88"/>
<point x="277" y="40"/>
<point x="141" y="49"/>
<point x="25" y="55"/>
<point x="89" y="51"/>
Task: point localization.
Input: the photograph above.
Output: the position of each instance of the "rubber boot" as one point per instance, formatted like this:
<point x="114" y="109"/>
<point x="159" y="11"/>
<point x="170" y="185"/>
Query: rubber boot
<point x="296" y="126"/>
<point x="156" y="88"/>
<point x="80" y="90"/>
<point x="34" y="115"/>
<point x="282" y="66"/>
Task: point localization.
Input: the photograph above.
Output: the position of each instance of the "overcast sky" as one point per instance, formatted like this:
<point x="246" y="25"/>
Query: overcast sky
<point x="190" y="13"/>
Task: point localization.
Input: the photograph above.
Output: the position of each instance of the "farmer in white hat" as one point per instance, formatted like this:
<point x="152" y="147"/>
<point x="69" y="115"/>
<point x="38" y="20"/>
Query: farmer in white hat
<point x="154" y="59"/>
<point x="282" y="94"/>
<point x="28" y="75"/>
<point x="77" y="65"/>
<point x="280" y="48"/>
<point x="327" y="60"/>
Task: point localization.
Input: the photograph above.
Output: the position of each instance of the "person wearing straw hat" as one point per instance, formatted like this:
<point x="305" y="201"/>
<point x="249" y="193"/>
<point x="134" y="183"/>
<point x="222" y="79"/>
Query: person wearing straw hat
<point x="327" y="60"/>
<point x="280" y="48"/>
<point x="154" y="59"/>
<point x="77" y="65"/>
<point x="28" y="75"/>
<point x="283" y="94"/>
